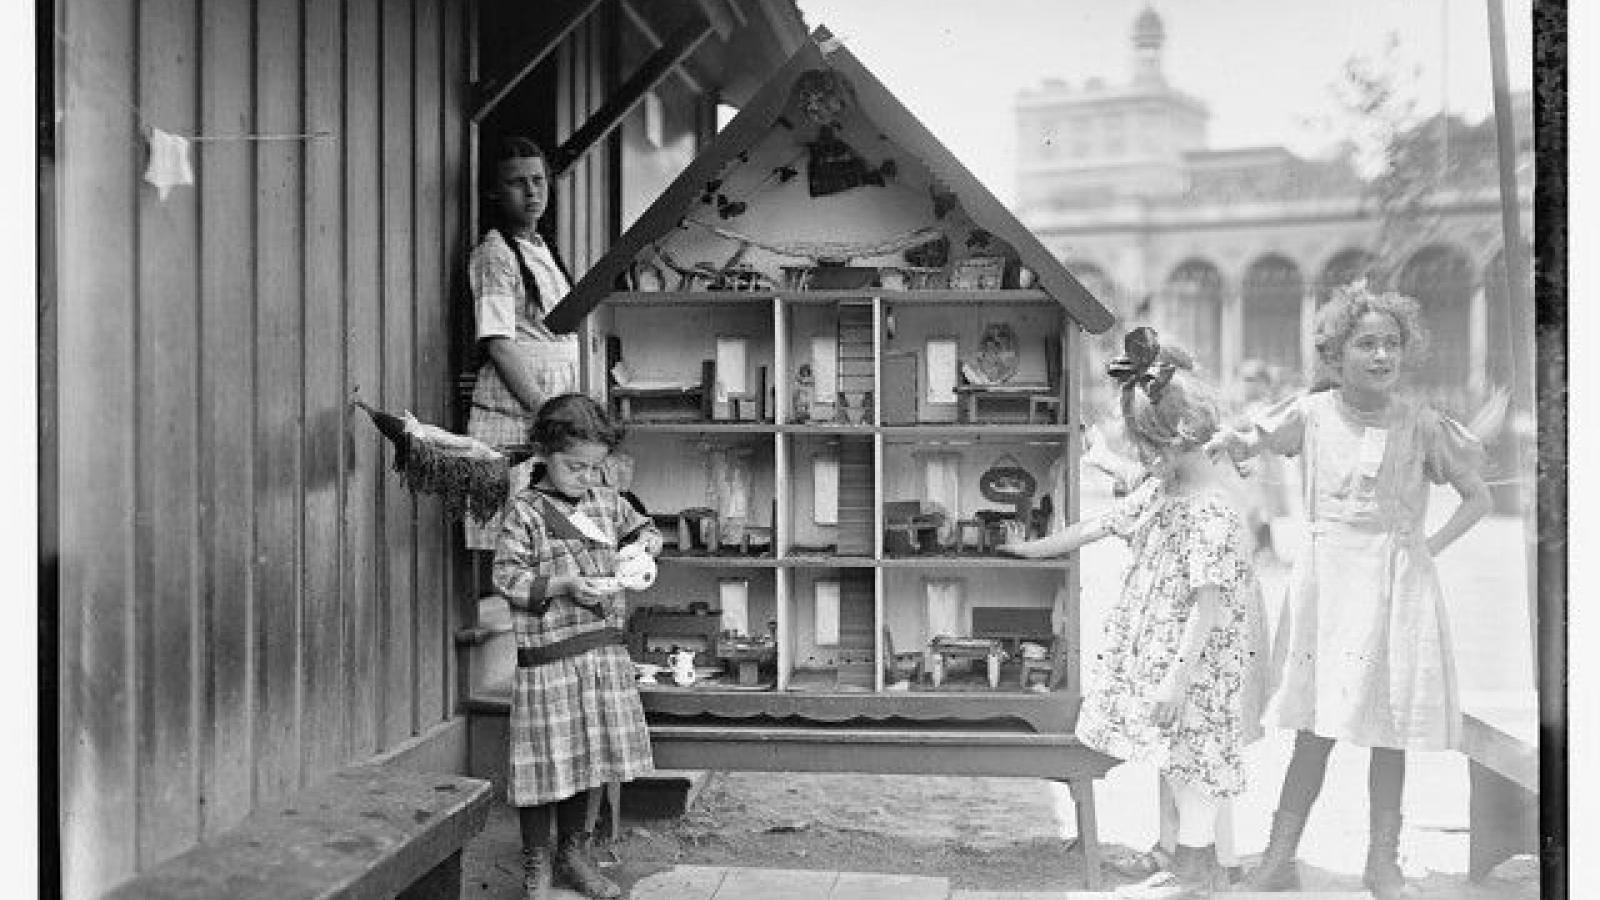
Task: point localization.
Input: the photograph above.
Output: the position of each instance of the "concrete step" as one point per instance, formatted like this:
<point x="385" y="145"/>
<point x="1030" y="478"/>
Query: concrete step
<point x="1108" y="895"/>
<point x="736" y="883"/>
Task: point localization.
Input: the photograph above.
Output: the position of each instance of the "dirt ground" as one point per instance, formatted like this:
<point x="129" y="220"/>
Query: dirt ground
<point x="994" y="833"/>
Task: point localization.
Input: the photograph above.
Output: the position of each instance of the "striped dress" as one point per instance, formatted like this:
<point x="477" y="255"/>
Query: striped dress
<point x="576" y="723"/>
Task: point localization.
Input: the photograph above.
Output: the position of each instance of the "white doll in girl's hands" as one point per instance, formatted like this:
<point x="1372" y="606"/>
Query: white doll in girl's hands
<point x="636" y="568"/>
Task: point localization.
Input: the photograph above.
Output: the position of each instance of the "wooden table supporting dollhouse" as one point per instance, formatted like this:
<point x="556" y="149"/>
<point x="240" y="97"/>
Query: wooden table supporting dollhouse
<point x="1058" y="757"/>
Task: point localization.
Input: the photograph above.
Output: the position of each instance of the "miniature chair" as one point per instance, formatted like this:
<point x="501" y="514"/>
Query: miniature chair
<point x="906" y="664"/>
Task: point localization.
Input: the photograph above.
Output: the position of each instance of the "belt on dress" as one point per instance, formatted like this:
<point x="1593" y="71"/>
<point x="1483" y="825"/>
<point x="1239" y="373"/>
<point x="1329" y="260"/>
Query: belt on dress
<point x="528" y="657"/>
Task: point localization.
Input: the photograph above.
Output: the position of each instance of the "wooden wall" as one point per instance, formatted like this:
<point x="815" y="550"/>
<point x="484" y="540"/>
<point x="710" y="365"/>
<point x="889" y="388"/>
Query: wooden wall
<point x="248" y="599"/>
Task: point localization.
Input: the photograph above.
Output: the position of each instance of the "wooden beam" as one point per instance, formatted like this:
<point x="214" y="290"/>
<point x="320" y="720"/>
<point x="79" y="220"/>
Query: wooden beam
<point x="678" y="47"/>
<point x="663" y="215"/>
<point x="493" y="90"/>
<point x="687" y="73"/>
<point x="718" y="15"/>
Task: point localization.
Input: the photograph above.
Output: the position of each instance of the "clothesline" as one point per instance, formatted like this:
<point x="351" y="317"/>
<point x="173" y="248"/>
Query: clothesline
<point x="815" y="250"/>
<point x="104" y="88"/>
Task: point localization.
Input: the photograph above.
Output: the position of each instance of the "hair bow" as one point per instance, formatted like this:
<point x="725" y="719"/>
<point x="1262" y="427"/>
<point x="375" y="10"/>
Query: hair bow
<point x="1138" y="364"/>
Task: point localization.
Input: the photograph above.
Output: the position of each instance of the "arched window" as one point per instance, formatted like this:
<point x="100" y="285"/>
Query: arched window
<point x="1345" y="267"/>
<point x="1271" y="305"/>
<point x="1190" y="311"/>
<point x="1440" y="278"/>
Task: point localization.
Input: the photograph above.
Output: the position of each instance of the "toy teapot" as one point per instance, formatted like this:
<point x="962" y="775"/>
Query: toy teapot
<point x="682" y="662"/>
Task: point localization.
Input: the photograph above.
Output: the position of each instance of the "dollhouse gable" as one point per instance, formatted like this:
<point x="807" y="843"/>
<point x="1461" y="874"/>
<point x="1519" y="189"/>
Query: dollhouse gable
<point x="825" y="181"/>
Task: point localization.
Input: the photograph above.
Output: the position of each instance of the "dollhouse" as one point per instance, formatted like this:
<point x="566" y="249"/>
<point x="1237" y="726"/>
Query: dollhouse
<point x="847" y="373"/>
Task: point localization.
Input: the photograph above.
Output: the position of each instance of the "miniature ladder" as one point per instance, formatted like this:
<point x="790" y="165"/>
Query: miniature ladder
<point x="855" y="362"/>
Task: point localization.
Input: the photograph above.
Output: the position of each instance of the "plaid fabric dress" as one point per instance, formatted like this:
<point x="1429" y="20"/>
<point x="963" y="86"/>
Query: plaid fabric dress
<point x="576" y="723"/>
<point x="503" y="307"/>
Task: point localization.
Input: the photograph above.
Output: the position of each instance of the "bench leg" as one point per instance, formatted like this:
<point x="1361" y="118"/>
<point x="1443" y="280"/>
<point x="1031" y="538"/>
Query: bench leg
<point x="443" y="882"/>
<point x="1503" y="818"/>
<point x="1082" y="790"/>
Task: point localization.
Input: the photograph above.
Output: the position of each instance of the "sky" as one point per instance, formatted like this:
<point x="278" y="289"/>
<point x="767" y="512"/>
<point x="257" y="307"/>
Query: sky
<point x="1266" y="68"/>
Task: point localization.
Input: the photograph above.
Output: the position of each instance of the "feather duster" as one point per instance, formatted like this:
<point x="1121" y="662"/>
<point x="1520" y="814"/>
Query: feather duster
<point x="471" y="477"/>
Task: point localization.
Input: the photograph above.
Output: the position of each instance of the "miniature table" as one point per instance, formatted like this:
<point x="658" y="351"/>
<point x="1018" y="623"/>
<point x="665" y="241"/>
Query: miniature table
<point x="978" y="394"/>
<point x="965" y="648"/>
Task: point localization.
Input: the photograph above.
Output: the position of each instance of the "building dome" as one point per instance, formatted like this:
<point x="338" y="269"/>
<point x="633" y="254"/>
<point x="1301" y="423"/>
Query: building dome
<point x="1148" y="30"/>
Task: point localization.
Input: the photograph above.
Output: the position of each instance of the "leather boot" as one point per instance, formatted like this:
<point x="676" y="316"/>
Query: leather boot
<point x="1192" y="877"/>
<point x="577" y="868"/>
<point x="537" y="874"/>
<point x="1383" y="876"/>
<point x="1277" y="870"/>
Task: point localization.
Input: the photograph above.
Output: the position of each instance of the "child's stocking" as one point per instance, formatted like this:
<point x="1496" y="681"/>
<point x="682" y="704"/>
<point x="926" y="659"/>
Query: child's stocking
<point x="1301" y="785"/>
<point x="537" y="862"/>
<point x="1169" y="817"/>
<point x="1197" y="815"/>
<point x="1386" y="779"/>
<point x="1307" y="768"/>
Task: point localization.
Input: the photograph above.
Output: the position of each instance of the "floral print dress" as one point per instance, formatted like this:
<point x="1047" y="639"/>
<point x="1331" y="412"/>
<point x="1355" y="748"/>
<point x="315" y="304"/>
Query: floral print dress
<point x="1179" y="544"/>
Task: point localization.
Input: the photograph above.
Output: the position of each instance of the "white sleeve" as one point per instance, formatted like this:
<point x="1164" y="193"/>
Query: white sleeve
<point x="496" y="287"/>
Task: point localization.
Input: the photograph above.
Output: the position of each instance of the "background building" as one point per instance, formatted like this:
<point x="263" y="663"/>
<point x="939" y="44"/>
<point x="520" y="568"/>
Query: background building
<point x="1231" y="250"/>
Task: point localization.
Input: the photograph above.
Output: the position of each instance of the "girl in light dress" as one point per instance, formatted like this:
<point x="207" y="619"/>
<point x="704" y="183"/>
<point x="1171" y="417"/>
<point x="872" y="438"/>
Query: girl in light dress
<point x="1362" y="651"/>
<point x="1169" y="686"/>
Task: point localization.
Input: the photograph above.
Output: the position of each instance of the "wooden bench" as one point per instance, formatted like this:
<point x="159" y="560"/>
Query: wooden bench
<point x="365" y="832"/>
<point x="1500" y="738"/>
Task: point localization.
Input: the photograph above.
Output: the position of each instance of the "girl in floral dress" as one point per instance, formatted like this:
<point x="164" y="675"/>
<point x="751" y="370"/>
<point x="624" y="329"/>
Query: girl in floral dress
<point x="576" y="719"/>
<point x="1168" y="687"/>
<point x="1363" y="647"/>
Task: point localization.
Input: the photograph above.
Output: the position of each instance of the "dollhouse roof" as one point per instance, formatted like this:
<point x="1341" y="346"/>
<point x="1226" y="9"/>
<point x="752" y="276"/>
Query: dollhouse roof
<point x="759" y="161"/>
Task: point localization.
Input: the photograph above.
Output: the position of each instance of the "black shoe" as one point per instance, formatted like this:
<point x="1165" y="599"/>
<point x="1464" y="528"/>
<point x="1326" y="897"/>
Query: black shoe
<point x="1277" y="871"/>
<point x="577" y="868"/>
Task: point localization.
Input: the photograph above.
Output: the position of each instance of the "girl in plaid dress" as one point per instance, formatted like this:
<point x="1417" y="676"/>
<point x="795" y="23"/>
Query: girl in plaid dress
<point x="576" y="720"/>
<point x="516" y="279"/>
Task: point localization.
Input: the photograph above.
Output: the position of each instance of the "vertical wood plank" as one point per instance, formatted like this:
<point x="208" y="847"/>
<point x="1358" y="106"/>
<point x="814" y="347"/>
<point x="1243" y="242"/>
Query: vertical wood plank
<point x="279" y="325"/>
<point x="367" y="454"/>
<point x="226" y="185"/>
<point x="455" y="202"/>
<point x="432" y="364"/>
<point x="398" y="598"/>
<point x="98" y="144"/>
<point x="168" y="404"/>
<point x="325" y="410"/>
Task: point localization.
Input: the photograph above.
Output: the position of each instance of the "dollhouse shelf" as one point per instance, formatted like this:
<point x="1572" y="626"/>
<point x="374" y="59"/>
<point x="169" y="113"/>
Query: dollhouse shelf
<point x="893" y="433"/>
<point x="828" y="298"/>
<point x="977" y="431"/>
<point x="808" y="561"/>
<point x="719" y="562"/>
<point x="702" y="428"/>
<point x="969" y="561"/>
